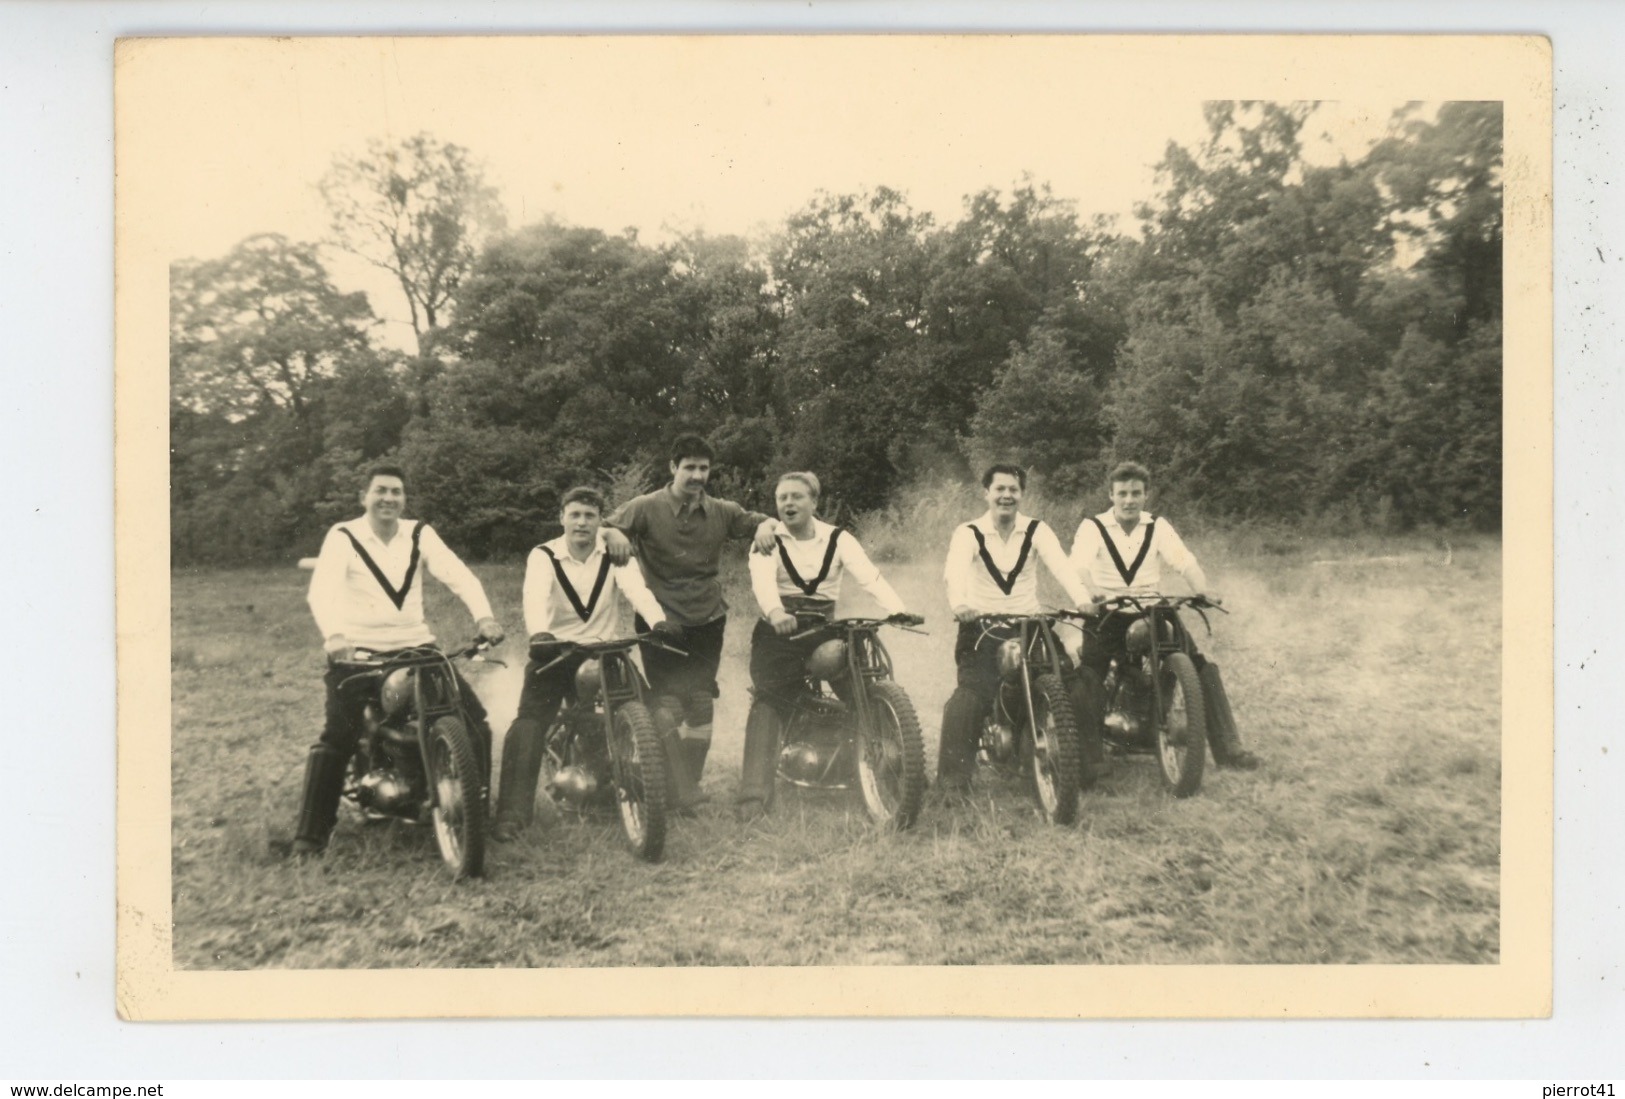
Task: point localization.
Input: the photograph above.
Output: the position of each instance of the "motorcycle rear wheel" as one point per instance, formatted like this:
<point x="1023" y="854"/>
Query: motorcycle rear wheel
<point x="891" y="758"/>
<point x="1182" y="732"/>
<point x="1053" y="766"/>
<point x="459" y="810"/>
<point x="640" y="780"/>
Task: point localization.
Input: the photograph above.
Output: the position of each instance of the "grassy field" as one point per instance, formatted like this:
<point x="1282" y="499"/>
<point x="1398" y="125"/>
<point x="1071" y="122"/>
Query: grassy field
<point x="1370" y="687"/>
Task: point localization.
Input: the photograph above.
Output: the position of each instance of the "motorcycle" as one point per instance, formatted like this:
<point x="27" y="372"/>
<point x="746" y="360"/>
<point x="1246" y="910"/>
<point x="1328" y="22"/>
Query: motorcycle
<point x="1153" y="698"/>
<point x="417" y="760"/>
<point x="604" y="744"/>
<point x="849" y="723"/>
<point x="1031" y="723"/>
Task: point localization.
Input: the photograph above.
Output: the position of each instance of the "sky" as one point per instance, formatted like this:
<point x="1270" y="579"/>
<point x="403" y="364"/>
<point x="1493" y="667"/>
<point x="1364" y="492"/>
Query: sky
<point x="674" y="134"/>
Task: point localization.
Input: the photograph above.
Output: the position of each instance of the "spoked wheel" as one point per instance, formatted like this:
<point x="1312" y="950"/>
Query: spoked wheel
<point x="891" y="758"/>
<point x="1182" y="732"/>
<point x="1054" y="764"/>
<point x="459" y="808"/>
<point x="640" y="780"/>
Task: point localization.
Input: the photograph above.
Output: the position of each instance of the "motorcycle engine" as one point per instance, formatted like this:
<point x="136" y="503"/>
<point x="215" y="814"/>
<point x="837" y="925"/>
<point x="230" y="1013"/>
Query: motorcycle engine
<point x="805" y="762"/>
<point x="998" y="741"/>
<point x="384" y="791"/>
<point x="577" y="784"/>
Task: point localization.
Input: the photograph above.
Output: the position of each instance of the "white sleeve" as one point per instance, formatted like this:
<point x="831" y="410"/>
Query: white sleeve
<point x="1060" y="567"/>
<point x="856" y="562"/>
<point x="449" y="569"/>
<point x="957" y="570"/>
<point x="326" y="595"/>
<point x="764" y="582"/>
<point x="1085" y="545"/>
<point x="629" y="579"/>
<point x="538" y="594"/>
<point x="1171" y="548"/>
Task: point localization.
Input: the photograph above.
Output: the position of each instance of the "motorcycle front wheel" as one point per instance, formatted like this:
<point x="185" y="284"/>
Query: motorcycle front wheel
<point x="459" y="808"/>
<point x="891" y="758"/>
<point x="640" y="780"/>
<point x="1054" y="762"/>
<point x="1182" y="732"/>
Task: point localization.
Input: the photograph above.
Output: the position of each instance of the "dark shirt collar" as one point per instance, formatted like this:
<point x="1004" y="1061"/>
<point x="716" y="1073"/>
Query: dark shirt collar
<point x="677" y="501"/>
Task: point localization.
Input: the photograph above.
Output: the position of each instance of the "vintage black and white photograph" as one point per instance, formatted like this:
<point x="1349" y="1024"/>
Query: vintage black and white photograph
<point x="660" y="504"/>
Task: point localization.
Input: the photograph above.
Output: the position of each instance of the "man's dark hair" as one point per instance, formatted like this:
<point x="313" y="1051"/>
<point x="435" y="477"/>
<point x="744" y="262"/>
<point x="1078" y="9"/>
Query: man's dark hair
<point x="582" y="494"/>
<point x="1004" y="467"/>
<point x="383" y="469"/>
<point x="1128" y="471"/>
<point x="690" y="446"/>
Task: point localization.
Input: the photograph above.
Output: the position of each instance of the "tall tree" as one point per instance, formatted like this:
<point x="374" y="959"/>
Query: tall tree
<point x="419" y="209"/>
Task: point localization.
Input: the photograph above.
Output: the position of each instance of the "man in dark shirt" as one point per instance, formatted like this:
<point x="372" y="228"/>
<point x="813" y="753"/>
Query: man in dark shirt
<point x="677" y="533"/>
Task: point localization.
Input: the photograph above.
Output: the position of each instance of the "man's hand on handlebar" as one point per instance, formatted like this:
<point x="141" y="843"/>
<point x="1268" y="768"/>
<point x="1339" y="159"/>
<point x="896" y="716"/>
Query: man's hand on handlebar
<point x="782" y="621"/>
<point x="904" y="618"/>
<point x="338" y="649"/>
<point x="965" y="614"/>
<point x="669" y="631"/>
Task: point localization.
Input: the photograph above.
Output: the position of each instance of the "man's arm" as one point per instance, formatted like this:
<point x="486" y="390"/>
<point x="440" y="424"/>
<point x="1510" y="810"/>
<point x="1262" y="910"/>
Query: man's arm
<point x="764" y="584"/>
<point x="326" y="595"/>
<point x="1079" y="587"/>
<point x="759" y="528"/>
<point x="629" y="578"/>
<point x="858" y="565"/>
<point x="623" y="524"/>
<point x="449" y="569"/>
<point x="1171" y="547"/>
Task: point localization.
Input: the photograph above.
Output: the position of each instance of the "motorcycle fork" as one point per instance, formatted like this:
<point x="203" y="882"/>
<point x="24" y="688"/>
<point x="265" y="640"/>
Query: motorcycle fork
<point x="864" y="661"/>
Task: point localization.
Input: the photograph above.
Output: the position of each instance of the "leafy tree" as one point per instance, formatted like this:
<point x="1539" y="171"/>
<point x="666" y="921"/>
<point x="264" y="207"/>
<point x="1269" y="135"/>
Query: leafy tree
<point x="419" y="209"/>
<point x="276" y="396"/>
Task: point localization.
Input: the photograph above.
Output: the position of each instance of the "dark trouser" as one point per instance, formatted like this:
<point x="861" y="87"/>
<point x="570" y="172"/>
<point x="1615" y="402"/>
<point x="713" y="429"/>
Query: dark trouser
<point x="687" y="682"/>
<point x="976" y="655"/>
<point x="539" y="701"/>
<point x="777" y="672"/>
<point x="685" y="688"/>
<point x="341" y="734"/>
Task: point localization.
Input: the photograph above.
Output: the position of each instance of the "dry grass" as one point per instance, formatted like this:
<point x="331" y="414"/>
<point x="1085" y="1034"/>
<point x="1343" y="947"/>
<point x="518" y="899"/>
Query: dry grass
<point x="1372" y="834"/>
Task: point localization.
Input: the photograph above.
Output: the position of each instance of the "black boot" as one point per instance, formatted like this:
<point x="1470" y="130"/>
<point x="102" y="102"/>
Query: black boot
<point x="516" y="790"/>
<point x="319" y="808"/>
<point x="682" y="792"/>
<point x="1222" y="736"/>
<point x="696" y="750"/>
<point x="956" y="750"/>
<point x="760" y="767"/>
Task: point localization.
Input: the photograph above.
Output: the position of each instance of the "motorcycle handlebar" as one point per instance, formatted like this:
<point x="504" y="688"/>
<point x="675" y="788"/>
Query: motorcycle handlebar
<point x="902" y="620"/>
<point x="559" y="650"/>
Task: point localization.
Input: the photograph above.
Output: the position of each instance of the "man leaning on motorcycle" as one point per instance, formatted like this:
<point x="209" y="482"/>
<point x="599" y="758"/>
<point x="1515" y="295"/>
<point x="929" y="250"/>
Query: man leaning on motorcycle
<point x="365" y="593"/>
<point x="989" y="571"/>
<point x="1123" y="550"/>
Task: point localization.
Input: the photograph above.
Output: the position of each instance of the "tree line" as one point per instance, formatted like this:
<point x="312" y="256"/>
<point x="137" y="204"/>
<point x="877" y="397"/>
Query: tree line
<point x="1277" y="340"/>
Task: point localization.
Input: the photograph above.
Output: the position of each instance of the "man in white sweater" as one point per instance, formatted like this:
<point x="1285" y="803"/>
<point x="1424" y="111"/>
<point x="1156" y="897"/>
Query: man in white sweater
<point x="366" y="592"/>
